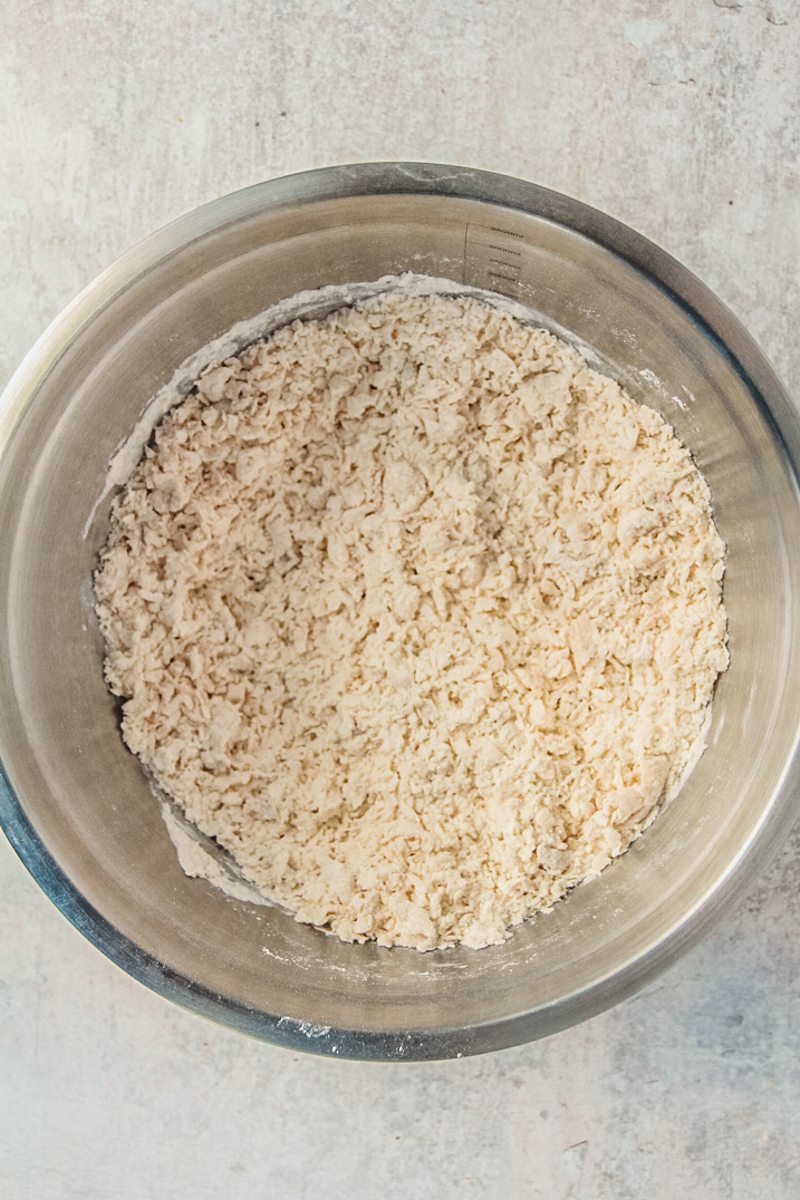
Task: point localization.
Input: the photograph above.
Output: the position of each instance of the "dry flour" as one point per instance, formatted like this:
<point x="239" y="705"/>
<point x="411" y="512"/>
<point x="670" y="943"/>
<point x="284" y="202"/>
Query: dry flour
<point x="416" y="614"/>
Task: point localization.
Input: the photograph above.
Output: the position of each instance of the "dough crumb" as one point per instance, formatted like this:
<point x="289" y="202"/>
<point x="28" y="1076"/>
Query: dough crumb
<point x="417" y="615"/>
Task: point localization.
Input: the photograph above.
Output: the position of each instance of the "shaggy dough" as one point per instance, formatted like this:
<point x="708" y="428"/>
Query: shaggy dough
<point x="417" y="615"/>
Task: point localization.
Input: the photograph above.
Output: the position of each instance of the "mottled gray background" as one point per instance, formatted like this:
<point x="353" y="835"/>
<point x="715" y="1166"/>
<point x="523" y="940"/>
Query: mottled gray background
<point x="681" y="119"/>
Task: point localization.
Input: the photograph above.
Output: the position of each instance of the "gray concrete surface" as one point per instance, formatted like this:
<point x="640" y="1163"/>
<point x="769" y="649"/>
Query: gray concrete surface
<point x="682" y="119"/>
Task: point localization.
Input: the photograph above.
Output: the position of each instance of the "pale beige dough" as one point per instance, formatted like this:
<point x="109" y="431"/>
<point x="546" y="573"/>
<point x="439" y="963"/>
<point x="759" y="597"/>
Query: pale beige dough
<point x="417" y="615"/>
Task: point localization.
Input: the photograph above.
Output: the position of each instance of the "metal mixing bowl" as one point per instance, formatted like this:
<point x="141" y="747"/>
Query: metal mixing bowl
<point x="76" y="804"/>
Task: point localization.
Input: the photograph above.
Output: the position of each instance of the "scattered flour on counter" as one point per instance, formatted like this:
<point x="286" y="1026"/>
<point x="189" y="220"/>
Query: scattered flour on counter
<point x="416" y="614"/>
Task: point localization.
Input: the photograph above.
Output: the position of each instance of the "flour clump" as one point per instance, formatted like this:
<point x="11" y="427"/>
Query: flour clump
<point x="416" y="614"/>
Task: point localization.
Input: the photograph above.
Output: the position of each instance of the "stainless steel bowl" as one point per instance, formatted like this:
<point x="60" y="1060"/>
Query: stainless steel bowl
<point x="75" y="803"/>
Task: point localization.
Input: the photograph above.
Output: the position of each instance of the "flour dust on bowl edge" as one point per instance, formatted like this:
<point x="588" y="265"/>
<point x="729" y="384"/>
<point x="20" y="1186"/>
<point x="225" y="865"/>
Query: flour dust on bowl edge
<point x="76" y="804"/>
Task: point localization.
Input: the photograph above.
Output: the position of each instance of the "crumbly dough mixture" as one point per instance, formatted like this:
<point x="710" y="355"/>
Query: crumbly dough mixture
<point x="417" y="615"/>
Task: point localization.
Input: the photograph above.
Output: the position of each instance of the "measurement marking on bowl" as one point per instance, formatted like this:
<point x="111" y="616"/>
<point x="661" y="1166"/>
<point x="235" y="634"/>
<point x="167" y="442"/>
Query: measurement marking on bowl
<point x="492" y="258"/>
<point x="505" y="250"/>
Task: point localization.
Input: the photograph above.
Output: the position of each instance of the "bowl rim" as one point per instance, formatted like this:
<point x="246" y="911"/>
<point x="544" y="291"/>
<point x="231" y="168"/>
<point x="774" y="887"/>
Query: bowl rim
<point x="730" y="339"/>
